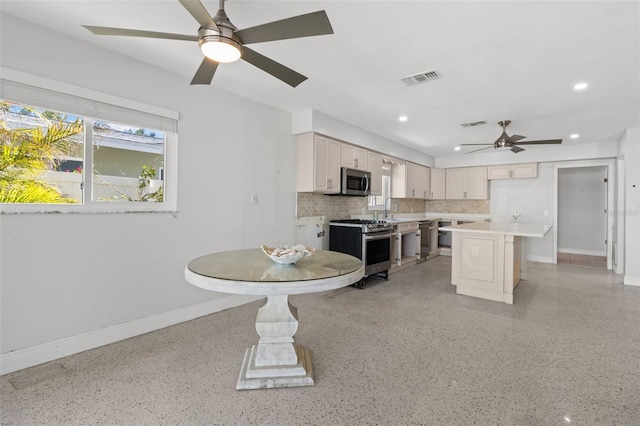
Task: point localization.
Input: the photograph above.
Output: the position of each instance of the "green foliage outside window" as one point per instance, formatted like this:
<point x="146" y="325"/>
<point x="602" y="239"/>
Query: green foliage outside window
<point x="28" y="152"/>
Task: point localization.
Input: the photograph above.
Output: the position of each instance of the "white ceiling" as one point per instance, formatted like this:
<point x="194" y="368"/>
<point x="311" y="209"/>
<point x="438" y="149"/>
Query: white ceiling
<point x="499" y="60"/>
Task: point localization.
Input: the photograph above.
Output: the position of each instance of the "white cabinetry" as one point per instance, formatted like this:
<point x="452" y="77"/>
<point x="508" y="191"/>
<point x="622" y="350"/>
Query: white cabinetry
<point x="513" y="171"/>
<point x="318" y="164"/>
<point x="410" y="180"/>
<point x="405" y="245"/>
<point x="374" y="161"/>
<point x="354" y="157"/>
<point x="468" y="183"/>
<point x="437" y="184"/>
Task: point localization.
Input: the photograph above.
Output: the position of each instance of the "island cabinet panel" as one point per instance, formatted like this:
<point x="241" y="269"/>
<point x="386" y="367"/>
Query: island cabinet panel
<point x="374" y="161"/>
<point x="354" y="157"/>
<point x="318" y="164"/>
<point x="466" y="183"/>
<point x="437" y="184"/>
<point x="478" y="265"/>
<point x="513" y="171"/>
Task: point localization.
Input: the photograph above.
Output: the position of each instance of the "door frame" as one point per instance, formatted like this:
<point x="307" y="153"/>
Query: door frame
<point x="609" y="220"/>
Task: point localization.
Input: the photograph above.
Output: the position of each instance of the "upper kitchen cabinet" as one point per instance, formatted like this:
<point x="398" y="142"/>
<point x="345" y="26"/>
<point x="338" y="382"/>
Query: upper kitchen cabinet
<point x="467" y="183"/>
<point x="437" y="184"/>
<point x="513" y="171"/>
<point x="354" y="157"/>
<point x="318" y="164"/>
<point x="374" y="161"/>
<point x="409" y="180"/>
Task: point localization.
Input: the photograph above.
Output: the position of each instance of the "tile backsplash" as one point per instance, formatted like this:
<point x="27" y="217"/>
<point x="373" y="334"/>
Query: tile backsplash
<point x="341" y="207"/>
<point x="459" y="206"/>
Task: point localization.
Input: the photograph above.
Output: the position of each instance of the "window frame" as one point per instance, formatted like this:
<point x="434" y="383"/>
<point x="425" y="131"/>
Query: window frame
<point x="170" y="163"/>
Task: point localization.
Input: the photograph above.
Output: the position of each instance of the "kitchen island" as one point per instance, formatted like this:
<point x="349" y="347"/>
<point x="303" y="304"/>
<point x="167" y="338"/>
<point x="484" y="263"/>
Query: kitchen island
<point x="489" y="259"/>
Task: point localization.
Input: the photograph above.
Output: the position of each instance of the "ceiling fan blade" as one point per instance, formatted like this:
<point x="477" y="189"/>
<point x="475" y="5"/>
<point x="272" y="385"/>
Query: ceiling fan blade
<point x="311" y="24"/>
<point x="198" y="11"/>
<point x="205" y="72"/>
<point x="474" y="144"/>
<point x="517" y="149"/>
<point x="515" y="138"/>
<point x="272" y="67"/>
<point x="481" y="149"/>
<point x="549" y="141"/>
<point x="138" y="33"/>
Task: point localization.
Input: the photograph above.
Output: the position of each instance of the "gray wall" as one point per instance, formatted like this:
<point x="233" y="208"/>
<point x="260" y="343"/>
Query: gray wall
<point x="581" y="210"/>
<point x="122" y="268"/>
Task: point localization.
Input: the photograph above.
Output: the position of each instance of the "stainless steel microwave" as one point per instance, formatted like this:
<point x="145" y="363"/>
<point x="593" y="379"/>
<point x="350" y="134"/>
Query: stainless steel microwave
<point x="355" y="182"/>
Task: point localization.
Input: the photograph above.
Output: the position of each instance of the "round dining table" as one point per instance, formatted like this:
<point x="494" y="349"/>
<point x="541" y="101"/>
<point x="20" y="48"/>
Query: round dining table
<point x="276" y="361"/>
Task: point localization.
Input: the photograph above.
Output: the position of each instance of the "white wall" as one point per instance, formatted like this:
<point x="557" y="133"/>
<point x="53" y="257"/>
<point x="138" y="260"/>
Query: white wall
<point x="582" y="201"/>
<point x="629" y="206"/>
<point x="120" y="269"/>
<point x="531" y="197"/>
<point x="605" y="149"/>
<point x="314" y="121"/>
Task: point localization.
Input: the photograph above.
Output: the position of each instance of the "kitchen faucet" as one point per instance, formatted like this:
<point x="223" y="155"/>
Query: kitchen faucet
<point x="384" y="206"/>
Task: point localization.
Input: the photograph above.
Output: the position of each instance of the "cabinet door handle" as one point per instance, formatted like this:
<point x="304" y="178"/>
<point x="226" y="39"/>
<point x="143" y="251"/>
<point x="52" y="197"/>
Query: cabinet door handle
<point x="413" y="192"/>
<point x="355" y="163"/>
<point x="510" y="173"/>
<point x="328" y="183"/>
<point x="465" y="194"/>
<point x="432" y="195"/>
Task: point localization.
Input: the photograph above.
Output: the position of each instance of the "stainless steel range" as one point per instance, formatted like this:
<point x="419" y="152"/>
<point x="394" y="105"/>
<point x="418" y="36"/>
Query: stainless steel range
<point x="369" y="240"/>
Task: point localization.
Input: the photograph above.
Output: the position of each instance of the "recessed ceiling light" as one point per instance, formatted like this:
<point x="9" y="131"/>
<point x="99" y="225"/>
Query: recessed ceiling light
<point x="403" y="118"/>
<point x="457" y="148"/>
<point x="574" y="136"/>
<point x="580" y="86"/>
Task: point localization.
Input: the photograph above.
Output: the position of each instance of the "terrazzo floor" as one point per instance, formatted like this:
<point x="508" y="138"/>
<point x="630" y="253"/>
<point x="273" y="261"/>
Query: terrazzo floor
<point x="408" y="351"/>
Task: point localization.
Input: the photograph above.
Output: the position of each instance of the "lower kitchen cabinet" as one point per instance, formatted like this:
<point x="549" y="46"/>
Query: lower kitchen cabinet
<point x="405" y="245"/>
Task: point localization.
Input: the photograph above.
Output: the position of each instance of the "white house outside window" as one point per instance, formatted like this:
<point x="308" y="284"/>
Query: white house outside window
<point x="56" y="157"/>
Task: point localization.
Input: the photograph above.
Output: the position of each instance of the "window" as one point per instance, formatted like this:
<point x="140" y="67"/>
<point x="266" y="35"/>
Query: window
<point x="376" y="202"/>
<point x="59" y="158"/>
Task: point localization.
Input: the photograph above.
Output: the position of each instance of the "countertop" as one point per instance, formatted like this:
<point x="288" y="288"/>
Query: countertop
<point x="393" y="217"/>
<point x="504" y="228"/>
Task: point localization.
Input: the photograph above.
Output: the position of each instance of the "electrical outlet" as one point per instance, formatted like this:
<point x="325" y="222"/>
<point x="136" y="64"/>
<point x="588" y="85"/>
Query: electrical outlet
<point x="546" y="212"/>
<point x="254" y="198"/>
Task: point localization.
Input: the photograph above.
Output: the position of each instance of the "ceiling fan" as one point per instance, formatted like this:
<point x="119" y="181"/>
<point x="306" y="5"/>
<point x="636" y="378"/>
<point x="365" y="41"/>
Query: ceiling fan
<point x="506" y="141"/>
<point x="221" y="42"/>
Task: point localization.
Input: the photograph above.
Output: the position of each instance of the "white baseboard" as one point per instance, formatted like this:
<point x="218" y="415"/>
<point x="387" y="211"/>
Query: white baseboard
<point x="34" y="355"/>
<point x="582" y="251"/>
<point x="540" y="259"/>
<point x="631" y="280"/>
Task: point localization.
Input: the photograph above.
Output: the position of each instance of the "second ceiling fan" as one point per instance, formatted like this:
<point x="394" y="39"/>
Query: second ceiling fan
<point x="221" y="42"/>
<point x="513" y="142"/>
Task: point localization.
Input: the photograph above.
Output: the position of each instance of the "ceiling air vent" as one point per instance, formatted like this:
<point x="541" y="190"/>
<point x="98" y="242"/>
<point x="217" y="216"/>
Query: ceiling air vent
<point x="474" y="123"/>
<point x="423" y="77"/>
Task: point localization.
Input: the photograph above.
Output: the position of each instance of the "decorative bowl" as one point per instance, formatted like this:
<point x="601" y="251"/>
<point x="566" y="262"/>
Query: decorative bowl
<point x="287" y="255"/>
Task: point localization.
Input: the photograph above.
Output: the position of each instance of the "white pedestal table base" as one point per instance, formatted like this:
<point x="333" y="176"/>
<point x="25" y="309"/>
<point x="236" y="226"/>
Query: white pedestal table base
<point x="283" y="376"/>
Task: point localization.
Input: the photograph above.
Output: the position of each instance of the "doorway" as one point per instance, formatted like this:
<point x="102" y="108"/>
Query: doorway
<point x="582" y="231"/>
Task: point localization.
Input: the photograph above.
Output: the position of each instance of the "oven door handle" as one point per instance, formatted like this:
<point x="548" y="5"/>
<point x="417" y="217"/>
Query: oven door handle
<point x="380" y="236"/>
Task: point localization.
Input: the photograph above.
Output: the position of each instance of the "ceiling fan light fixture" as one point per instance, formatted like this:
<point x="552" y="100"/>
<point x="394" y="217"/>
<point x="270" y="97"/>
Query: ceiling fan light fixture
<point x="219" y="48"/>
